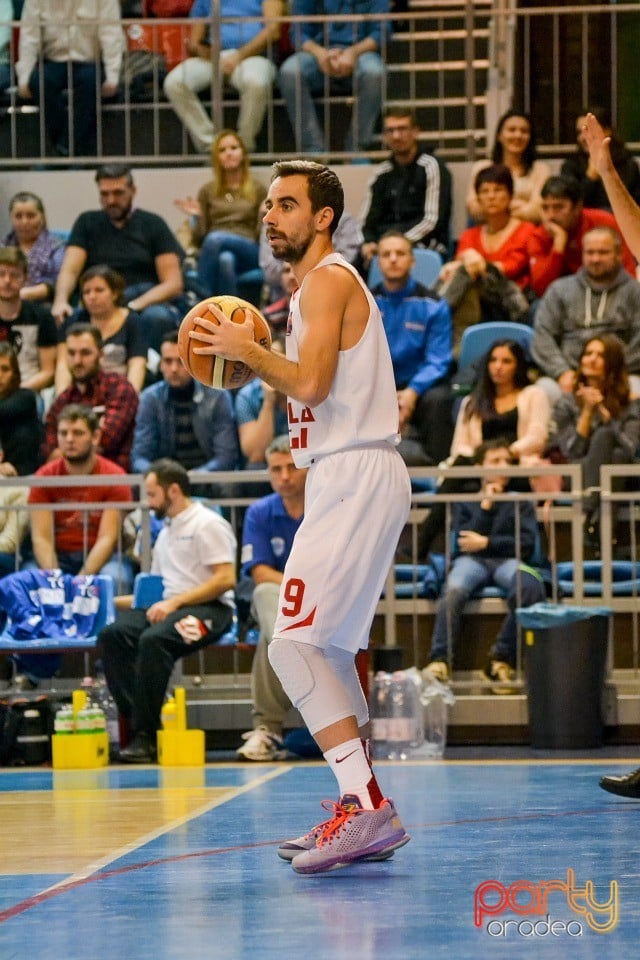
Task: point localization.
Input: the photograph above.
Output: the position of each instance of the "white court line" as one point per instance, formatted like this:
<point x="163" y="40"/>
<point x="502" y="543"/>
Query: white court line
<point x="98" y="865"/>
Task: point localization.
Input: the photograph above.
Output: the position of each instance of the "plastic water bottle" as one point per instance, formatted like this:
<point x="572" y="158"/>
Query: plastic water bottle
<point x="63" y="722"/>
<point x="90" y="718"/>
<point x="436" y="698"/>
<point x="109" y="709"/>
<point x="396" y="716"/>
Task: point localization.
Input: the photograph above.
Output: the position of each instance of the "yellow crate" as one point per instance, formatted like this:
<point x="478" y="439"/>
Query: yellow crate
<point x="181" y="748"/>
<point x="80" y="751"/>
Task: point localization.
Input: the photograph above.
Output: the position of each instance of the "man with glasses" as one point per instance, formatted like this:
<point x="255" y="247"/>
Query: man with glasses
<point x="410" y="192"/>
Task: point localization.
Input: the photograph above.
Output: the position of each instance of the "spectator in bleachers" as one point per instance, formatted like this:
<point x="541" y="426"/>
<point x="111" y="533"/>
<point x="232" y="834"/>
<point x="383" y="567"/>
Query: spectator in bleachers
<point x="225" y="217"/>
<point x="346" y="240"/>
<point x="488" y="278"/>
<point x="580" y="167"/>
<point x="58" y="46"/>
<point x="418" y="329"/>
<point x="515" y="147"/>
<point x="20" y="424"/>
<point x="270" y="525"/>
<point x="180" y="418"/>
<point x="556" y="249"/>
<point x="410" y="191"/>
<point x="43" y="251"/>
<point x="486" y="552"/>
<point x="195" y="554"/>
<point x="76" y="541"/>
<point x="345" y="55"/>
<point x="245" y="45"/>
<point x="599" y="421"/>
<point x="261" y="415"/>
<point x="277" y="311"/>
<point x="108" y="394"/>
<point x="124" y="344"/>
<point x="600" y="298"/>
<point x="136" y="243"/>
<point x="503" y="403"/>
<point x="29" y="327"/>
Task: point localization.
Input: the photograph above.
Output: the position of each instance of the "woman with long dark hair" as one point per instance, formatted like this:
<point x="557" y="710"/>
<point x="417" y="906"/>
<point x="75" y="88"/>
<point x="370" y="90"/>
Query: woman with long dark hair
<point x="599" y="422"/>
<point x="515" y="147"/>
<point x="503" y="404"/>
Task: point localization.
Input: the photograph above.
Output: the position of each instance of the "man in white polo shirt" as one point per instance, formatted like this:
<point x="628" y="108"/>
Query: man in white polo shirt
<point x="195" y="554"/>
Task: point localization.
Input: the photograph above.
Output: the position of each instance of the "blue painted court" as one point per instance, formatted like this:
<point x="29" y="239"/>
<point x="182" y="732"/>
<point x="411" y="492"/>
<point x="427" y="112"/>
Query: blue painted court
<point x="523" y="858"/>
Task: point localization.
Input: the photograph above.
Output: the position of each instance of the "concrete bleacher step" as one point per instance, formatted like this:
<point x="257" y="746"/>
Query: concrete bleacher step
<point x="221" y="705"/>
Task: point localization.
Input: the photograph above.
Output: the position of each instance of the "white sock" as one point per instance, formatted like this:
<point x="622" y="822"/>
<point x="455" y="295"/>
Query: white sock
<point x="353" y="773"/>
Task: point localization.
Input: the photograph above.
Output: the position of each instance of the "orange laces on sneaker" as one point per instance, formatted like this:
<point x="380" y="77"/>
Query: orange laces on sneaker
<point x="333" y="826"/>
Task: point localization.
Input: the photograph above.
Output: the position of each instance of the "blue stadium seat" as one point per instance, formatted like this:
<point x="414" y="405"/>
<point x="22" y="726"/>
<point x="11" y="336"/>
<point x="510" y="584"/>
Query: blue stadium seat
<point x="426" y="270"/>
<point x="625" y="576"/>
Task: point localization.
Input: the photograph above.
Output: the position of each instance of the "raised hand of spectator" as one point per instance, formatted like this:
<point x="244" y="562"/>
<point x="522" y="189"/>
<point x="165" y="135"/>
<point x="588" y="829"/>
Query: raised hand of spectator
<point x="189" y="206"/>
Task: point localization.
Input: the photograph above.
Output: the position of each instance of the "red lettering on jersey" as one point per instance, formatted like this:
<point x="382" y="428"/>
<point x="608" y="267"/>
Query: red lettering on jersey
<point x="293" y="592"/>
<point x="306" y="415"/>
<point x="300" y="442"/>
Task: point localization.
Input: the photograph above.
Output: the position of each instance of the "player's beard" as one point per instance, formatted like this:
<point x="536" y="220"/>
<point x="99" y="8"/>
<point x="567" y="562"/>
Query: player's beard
<point x="293" y="251"/>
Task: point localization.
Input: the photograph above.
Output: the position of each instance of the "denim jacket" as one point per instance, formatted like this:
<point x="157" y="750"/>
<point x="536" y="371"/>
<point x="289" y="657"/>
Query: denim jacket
<point x="213" y="423"/>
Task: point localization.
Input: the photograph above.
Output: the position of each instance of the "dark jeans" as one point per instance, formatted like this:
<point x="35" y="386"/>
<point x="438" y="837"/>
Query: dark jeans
<point x="139" y="656"/>
<point x="428" y="439"/>
<point x="82" y="80"/>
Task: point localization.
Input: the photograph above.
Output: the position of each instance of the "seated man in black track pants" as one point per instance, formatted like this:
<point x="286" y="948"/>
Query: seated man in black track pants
<point x="195" y="554"/>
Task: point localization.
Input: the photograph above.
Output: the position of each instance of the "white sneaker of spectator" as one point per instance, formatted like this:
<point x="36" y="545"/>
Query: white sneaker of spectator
<point x="262" y="744"/>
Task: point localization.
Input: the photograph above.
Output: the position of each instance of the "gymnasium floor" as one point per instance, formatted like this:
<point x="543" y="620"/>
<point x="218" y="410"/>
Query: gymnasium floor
<point x="180" y="864"/>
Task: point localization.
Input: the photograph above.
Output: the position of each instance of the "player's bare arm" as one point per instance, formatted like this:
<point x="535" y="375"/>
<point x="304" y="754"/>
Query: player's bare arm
<point x="326" y="300"/>
<point x="625" y="209"/>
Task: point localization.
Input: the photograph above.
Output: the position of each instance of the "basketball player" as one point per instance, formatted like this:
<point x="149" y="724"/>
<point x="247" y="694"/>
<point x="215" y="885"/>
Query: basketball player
<point x="343" y="426"/>
<point x="627" y="213"/>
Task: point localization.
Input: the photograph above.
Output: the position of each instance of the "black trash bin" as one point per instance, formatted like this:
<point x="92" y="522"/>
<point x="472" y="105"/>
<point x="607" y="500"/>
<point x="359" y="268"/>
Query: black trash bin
<point x="565" y="653"/>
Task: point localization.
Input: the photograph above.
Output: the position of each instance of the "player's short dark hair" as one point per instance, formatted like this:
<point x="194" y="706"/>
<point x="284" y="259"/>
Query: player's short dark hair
<point x="169" y="471"/>
<point x="79" y="411"/>
<point x="562" y="188"/>
<point x="114" y="171"/>
<point x="323" y="185"/>
<point x="78" y="329"/>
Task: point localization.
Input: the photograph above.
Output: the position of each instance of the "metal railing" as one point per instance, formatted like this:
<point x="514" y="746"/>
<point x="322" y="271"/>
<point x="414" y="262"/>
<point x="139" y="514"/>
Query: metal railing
<point x="457" y="63"/>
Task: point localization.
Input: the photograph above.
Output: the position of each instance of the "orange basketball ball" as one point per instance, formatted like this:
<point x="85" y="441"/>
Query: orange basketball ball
<point x="214" y="371"/>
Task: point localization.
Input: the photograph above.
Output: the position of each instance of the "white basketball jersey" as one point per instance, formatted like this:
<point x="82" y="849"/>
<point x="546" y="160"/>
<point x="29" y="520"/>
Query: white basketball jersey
<point x="362" y="406"/>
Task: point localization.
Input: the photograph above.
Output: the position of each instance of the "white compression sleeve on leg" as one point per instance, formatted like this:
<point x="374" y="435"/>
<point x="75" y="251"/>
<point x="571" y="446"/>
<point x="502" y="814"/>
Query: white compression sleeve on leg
<point x="344" y="665"/>
<point x="311" y="683"/>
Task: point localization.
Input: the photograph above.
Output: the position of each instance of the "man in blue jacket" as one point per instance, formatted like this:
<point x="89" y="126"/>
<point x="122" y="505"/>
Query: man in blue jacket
<point x="183" y="420"/>
<point x="418" y="328"/>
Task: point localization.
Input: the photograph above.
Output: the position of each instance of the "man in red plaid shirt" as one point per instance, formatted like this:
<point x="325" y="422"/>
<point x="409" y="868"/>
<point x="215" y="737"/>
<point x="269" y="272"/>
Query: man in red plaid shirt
<point x="108" y="394"/>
